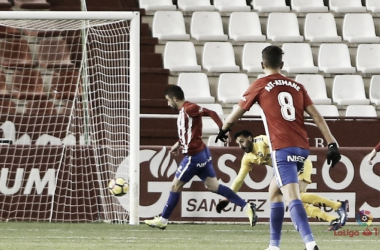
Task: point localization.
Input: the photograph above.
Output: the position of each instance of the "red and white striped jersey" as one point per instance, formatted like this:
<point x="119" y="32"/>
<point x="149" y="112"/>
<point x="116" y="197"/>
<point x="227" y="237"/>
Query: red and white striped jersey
<point x="189" y="123"/>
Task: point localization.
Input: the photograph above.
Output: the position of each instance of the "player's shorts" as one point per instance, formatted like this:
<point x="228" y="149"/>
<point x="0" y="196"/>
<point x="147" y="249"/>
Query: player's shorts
<point x="286" y="164"/>
<point x="199" y="164"/>
<point x="305" y="173"/>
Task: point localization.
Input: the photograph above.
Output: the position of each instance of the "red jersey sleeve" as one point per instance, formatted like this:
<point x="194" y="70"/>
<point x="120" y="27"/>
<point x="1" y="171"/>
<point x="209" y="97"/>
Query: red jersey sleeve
<point x="196" y="110"/>
<point x="377" y="148"/>
<point x="250" y="95"/>
<point x="213" y="115"/>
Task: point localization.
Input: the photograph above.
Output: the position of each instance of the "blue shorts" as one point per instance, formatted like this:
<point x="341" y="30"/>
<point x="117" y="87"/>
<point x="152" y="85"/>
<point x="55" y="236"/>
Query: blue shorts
<point x="199" y="164"/>
<point x="287" y="162"/>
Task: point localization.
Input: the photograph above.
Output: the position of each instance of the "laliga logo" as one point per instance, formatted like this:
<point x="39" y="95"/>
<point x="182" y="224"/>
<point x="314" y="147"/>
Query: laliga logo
<point x="159" y="164"/>
<point x="364" y="218"/>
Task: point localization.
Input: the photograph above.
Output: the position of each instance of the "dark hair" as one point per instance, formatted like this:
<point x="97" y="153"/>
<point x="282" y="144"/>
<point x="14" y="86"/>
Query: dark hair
<point x="272" y="56"/>
<point x="244" y="133"/>
<point x="175" y="91"/>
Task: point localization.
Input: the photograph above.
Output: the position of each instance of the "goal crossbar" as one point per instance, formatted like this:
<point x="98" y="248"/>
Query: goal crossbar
<point x="76" y="15"/>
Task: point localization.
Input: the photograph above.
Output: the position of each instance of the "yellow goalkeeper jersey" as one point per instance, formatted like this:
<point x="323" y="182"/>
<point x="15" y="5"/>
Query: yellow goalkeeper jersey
<point x="261" y="155"/>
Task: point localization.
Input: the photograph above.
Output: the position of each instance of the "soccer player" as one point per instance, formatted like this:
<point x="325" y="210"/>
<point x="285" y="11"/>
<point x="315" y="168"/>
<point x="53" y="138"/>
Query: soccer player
<point x="256" y="152"/>
<point x="284" y="102"/>
<point x="197" y="160"/>
<point x="373" y="153"/>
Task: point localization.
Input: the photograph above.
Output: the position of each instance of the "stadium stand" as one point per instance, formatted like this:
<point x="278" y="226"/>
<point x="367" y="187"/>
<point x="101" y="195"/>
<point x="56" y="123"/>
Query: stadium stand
<point x="7" y="106"/>
<point x="231" y="87"/>
<point x="327" y="110"/>
<point x="195" y="5"/>
<point x="219" y="57"/>
<point x="348" y="90"/>
<point x="361" y="111"/>
<point x="53" y="53"/>
<point x="315" y="86"/>
<point x="318" y="37"/>
<point x="343" y="6"/>
<point x="359" y="28"/>
<point x="374" y="90"/>
<point x="196" y="87"/>
<point x="9" y="32"/>
<point x="28" y="85"/>
<point x="4" y="93"/>
<point x="270" y="5"/>
<point x="368" y="58"/>
<point x="298" y="58"/>
<point x="169" y="25"/>
<point x="308" y="6"/>
<point x="157" y="5"/>
<point x="180" y="56"/>
<point x="251" y="58"/>
<point x="207" y="26"/>
<point x="42" y="108"/>
<point x="15" y="53"/>
<point x="228" y="5"/>
<point x="245" y="26"/>
<point x="335" y="58"/>
<point x="32" y="4"/>
<point x="64" y="85"/>
<point x="373" y="5"/>
<point x="5" y="5"/>
<point x="321" y="27"/>
<point x="283" y="27"/>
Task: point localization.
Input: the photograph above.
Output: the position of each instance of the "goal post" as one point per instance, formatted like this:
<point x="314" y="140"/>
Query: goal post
<point x="69" y="115"/>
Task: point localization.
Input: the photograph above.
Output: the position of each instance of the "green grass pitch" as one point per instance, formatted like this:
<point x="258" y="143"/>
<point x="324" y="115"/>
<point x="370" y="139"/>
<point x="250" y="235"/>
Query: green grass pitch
<point x="56" y="236"/>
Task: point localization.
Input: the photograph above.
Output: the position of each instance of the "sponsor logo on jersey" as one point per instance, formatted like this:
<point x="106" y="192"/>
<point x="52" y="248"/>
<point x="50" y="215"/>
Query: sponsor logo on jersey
<point x="295" y="158"/>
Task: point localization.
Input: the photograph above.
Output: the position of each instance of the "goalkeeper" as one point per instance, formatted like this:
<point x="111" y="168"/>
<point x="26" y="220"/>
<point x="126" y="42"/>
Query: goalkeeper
<point x="257" y="152"/>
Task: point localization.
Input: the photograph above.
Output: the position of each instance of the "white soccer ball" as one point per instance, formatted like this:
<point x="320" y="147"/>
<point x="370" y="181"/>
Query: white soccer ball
<point x="118" y="186"/>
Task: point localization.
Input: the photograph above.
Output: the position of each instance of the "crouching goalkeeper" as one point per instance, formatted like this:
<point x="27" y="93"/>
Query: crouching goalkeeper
<point x="257" y="152"/>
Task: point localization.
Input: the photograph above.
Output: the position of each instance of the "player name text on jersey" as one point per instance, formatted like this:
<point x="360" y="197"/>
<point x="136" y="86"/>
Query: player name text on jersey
<point x="271" y="85"/>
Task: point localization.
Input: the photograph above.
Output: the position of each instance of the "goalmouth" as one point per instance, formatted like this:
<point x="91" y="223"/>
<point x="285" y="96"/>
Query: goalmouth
<point x="69" y="113"/>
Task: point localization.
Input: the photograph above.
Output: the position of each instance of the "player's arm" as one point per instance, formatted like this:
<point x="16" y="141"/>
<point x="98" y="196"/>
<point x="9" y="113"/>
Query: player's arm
<point x="239" y="180"/>
<point x="374" y="153"/>
<point x="333" y="154"/>
<point x="321" y="123"/>
<point x="233" y="117"/>
<point x="175" y="148"/>
<point x="214" y="116"/>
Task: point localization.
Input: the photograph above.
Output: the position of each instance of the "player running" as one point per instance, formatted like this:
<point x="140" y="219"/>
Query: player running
<point x="257" y="152"/>
<point x="197" y="160"/>
<point x="284" y="102"/>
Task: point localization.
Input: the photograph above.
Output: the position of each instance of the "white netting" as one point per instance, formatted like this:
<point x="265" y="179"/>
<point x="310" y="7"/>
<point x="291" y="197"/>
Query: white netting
<point x="65" y="109"/>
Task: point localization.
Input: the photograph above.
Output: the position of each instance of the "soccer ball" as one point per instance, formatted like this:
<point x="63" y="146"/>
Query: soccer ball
<point x="118" y="186"/>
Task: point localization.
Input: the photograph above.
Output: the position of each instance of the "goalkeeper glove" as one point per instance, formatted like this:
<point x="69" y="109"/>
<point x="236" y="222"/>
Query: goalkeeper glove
<point x="222" y="135"/>
<point x="333" y="154"/>
<point x="222" y="205"/>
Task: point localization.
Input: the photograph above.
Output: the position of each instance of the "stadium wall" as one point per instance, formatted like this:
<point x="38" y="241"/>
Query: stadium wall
<point x="352" y="179"/>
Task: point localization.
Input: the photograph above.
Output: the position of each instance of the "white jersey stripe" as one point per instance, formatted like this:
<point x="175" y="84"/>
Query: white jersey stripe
<point x="275" y="169"/>
<point x="273" y="153"/>
<point x="183" y="134"/>
<point x="185" y="168"/>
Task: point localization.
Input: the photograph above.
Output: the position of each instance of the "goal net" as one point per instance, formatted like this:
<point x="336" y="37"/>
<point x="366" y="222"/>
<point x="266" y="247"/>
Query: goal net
<point x="69" y="90"/>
